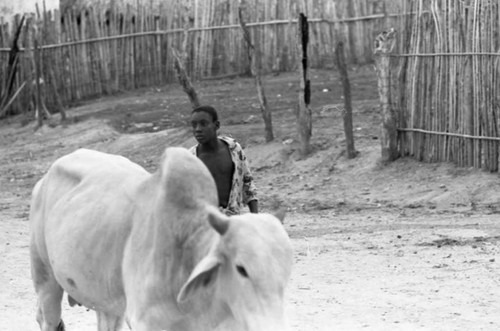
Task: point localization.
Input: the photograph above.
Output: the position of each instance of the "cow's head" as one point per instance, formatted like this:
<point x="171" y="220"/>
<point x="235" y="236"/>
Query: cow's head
<point x="248" y="271"/>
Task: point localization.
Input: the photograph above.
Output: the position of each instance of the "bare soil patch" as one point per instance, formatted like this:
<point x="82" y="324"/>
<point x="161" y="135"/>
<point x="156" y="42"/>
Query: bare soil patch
<point x="406" y="246"/>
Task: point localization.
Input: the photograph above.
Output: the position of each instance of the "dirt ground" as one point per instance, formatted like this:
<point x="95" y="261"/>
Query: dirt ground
<point x="405" y="246"/>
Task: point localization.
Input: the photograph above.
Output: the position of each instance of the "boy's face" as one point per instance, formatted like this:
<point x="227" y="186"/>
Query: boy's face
<point x="204" y="127"/>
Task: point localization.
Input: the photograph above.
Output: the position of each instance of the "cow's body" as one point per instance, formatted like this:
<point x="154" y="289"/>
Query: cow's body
<point x="142" y="247"/>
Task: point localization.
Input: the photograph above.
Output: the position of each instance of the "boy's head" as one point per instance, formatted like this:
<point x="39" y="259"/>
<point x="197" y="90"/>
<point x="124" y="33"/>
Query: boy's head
<point x="205" y="123"/>
<point x="209" y="110"/>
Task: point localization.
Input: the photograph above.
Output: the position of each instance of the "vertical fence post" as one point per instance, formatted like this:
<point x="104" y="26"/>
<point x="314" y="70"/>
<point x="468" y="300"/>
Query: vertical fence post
<point x="383" y="46"/>
<point x="304" y="121"/>
<point x="38" y="99"/>
<point x="347" y="112"/>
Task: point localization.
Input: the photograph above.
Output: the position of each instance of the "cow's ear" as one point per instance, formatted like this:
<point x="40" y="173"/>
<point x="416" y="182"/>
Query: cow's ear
<point x="202" y="276"/>
<point x="218" y="220"/>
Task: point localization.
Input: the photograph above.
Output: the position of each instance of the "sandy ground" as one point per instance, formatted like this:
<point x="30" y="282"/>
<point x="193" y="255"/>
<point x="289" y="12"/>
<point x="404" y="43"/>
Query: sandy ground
<point x="407" y="246"/>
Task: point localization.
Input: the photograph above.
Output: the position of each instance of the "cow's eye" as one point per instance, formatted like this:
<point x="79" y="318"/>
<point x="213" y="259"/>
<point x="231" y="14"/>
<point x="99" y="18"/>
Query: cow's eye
<point x="242" y="271"/>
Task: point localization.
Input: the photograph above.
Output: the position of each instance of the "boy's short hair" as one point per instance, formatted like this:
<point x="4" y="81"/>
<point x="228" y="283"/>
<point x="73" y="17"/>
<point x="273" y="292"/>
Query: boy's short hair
<point x="209" y="110"/>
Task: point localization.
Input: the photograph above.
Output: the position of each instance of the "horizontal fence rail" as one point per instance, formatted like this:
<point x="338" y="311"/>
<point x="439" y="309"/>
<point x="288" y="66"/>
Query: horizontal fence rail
<point x="449" y="134"/>
<point x="447" y="54"/>
<point x="191" y="30"/>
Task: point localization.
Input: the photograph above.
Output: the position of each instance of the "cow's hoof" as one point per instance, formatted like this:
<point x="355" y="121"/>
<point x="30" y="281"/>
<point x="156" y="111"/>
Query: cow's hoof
<point x="61" y="327"/>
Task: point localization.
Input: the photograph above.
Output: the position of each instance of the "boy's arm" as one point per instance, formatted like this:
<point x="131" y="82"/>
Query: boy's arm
<point x="249" y="189"/>
<point x="253" y="206"/>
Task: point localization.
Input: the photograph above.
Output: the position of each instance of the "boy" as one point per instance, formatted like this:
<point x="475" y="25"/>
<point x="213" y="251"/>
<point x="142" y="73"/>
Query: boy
<point x="225" y="160"/>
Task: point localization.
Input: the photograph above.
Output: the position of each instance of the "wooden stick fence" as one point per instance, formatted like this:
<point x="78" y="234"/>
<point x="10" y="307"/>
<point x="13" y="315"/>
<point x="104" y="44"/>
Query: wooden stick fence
<point x="93" y="52"/>
<point x="448" y="83"/>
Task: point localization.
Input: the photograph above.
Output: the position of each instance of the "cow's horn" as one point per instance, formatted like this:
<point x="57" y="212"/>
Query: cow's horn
<point x="218" y="220"/>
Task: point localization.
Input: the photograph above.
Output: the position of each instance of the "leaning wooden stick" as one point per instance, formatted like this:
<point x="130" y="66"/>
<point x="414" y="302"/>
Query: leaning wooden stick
<point x="254" y="58"/>
<point x="184" y="78"/>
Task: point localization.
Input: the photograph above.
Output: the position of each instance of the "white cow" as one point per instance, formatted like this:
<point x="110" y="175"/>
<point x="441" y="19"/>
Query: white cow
<point x="152" y="249"/>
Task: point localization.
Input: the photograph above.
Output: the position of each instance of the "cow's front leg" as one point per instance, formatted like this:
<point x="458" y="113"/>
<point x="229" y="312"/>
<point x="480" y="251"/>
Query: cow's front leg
<point x="49" y="294"/>
<point x="49" y="307"/>
<point x="108" y="322"/>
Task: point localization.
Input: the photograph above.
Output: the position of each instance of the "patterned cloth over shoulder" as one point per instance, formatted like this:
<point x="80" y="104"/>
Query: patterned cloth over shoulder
<point x="243" y="189"/>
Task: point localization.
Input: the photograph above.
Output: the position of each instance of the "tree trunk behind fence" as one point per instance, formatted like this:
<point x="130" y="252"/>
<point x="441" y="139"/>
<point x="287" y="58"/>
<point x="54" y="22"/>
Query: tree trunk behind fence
<point x="304" y="121"/>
